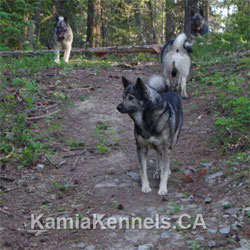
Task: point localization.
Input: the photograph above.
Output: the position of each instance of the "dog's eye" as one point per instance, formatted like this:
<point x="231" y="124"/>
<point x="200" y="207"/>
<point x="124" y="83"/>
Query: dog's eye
<point x="131" y="98"/>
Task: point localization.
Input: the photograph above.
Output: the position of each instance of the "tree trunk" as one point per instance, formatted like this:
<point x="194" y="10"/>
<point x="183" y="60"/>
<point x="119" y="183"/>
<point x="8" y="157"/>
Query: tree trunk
<point x="138" y="14"/>
<point x="189" y="5"/>
<point x="151" y="10"/>
<point x="169" y="19"/>
<point x="90" y="23"/>
<point x="187" y="22"/>
<point x="94" y="23"/>
<point x="100" y="51"/>
<point x="206" y="9"/>
<point x="103" y="31"/>
<point x="38" y="20"/>
<point x="97" y="24"/>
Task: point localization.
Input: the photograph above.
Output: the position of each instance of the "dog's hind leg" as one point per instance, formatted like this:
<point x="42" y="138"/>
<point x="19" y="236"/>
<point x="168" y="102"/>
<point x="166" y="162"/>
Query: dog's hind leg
<point x="142" y="156"/>
<point x="183" y="87"/>
<point x="165" y="171"/>
<point x="166" y="76"/>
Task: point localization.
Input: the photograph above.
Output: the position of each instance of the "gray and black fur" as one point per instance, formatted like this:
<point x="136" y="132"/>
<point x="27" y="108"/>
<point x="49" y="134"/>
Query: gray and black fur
<point x="198" y="24"/>
<point x="158" y="118"/>
<point x="62" y="38"/>
<point x="175" y="59"/>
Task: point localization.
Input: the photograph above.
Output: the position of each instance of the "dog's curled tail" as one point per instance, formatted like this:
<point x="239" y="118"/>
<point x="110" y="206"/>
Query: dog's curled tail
<point x="158" y="83"/>
<point x="179" y="41"/>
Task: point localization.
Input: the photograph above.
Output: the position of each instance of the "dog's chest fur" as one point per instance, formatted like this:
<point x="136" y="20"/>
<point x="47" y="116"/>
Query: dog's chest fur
<point x="152" y="128"/>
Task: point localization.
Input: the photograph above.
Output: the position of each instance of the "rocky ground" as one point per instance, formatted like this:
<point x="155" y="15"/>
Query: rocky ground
<point x="102" y="177"/>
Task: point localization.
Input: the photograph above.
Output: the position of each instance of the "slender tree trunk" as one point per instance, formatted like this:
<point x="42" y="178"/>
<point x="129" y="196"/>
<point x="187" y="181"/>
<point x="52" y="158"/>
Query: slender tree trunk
<point x="141" y="34"/>
<point x="151" y="10"/>
<point x="206" y="9"/>
<point x="189" y="5"/>
<point x="103" y="31"/>
<point x="187" y="22"/>
<point x="97" y="24"/>
<point x="94" y="23"/>
<point x="38" y="20"/>
<point x="90" y="23"/>
<point x="169" y="19"/>
<point x="163" y="21"/>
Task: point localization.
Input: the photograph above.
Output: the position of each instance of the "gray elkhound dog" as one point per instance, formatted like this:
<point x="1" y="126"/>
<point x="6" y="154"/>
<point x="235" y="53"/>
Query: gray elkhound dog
<point x="176" y="62"/>
<point x="158" y="117"/>
<point x="198" y="25"/>
<point x="62" y="38"/>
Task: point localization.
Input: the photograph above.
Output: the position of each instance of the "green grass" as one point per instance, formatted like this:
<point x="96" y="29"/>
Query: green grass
<point x="106" y="136"/>
<point x="175" y="208"/>
<point x="21" y="95"/>
<point x="226" y="76"/>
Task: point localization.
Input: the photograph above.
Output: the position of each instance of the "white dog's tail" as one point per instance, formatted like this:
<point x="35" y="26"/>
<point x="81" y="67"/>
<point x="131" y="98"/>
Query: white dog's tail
<point x="179" y="41"/>
<point x="158" y="83"/>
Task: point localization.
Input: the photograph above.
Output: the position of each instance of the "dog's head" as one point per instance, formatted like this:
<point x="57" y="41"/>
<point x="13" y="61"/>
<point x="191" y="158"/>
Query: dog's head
<point x="197" y="22"/>
<point x="135" y="96"/>
<point x="61" y="26"/>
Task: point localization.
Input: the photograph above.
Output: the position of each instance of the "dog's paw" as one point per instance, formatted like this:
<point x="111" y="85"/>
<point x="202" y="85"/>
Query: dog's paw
<point x="57" y="61"/>
<point x="184" y="96"/>
<point x="156" y="175"/>
<point x="162" y="191"/>
<point x="146" y="189"/>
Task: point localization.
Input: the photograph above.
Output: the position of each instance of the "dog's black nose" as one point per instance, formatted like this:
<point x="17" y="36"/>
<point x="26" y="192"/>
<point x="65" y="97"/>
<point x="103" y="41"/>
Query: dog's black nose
<point x="119" y="107"/>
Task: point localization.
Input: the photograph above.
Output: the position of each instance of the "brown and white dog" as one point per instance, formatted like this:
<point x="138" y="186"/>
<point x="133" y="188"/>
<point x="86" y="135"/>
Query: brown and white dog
<point x="62" y="38"/>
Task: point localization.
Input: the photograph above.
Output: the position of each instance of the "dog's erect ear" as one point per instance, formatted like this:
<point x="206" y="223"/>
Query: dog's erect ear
<point x="125" y="82"/>
<point x="192" y="13"/>
<point x="188" y="47"/>
<point x="65" y="19"/>
<point x="141" y="87"/>
<point x="57" y="18"/>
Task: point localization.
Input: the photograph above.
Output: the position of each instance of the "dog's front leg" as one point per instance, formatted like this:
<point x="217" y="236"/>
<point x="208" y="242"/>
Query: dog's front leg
<point x="142" y="156"/>
<point x="67" y="53"/>
<point x="164" y="164"/>
<point x="57" y="60"/>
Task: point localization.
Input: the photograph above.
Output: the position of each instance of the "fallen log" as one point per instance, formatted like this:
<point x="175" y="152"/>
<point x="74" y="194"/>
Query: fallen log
<point x="99" y="51"/>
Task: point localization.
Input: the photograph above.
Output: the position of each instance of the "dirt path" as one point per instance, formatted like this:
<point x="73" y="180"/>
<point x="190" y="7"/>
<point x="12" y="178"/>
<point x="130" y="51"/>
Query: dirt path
<point x="106" y="181"/>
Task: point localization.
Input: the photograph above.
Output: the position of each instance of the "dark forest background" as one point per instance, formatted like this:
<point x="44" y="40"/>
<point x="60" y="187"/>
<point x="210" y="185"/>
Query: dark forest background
<point x="28" y="24"/>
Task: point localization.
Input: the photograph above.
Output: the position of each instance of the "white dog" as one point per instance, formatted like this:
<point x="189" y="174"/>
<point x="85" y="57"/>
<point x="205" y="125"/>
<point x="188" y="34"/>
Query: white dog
<point x="176" y="62"/>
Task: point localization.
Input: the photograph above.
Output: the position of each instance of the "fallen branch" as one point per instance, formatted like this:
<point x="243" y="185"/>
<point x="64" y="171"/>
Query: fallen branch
<point x="6" y="212"/>
<point x="60" y="164"/>
<point x="42" y="116"/>
<point x="5" y="178"/>
<point x="31" y="231"/>
<point x="73" y="167"/>
<point x="154" y="49"/>
<point x="10" y="189"/>
<point x="73" y="155"/>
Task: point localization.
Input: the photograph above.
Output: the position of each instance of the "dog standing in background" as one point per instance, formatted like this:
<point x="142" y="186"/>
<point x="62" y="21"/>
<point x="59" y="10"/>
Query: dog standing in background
<point x="62" y="38"/>
<point x="157" y="116"/>
<point x="198" y="24"/>
<point x="176" y="62"/>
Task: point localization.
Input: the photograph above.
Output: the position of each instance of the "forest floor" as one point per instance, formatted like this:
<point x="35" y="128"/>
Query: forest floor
<point x="96" y="172"/>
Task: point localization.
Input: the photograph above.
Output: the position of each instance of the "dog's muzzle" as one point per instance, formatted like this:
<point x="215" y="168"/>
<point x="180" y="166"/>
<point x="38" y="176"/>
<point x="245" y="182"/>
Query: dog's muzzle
<point x="120" y="108"/>
<point x="60" y="34"/>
